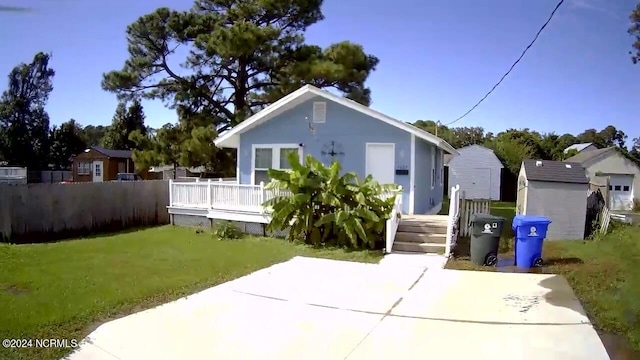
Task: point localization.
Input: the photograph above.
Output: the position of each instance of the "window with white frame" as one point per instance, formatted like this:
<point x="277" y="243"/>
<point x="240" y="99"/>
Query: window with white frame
<point x="441" y="168"/>
<point x="84" y="168"/>
<point x="433" y="168"/>
<point x="267" y="157"/>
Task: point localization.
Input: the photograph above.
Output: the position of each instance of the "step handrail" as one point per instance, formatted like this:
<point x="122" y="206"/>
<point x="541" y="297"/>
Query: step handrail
<point x="391" y="226"/>
<point x="454" y="215"/>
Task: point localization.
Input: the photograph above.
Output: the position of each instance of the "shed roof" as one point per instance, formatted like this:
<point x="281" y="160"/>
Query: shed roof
<point x="577" y="147"/>
<point x="122" y="154"/>
<point x="555" y="171"/>
<point x="585" y="156"/>
<point x="230" y="139"/>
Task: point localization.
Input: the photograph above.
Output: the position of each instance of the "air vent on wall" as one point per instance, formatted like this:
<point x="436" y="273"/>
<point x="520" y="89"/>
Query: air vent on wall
<point x="319" y="112"/>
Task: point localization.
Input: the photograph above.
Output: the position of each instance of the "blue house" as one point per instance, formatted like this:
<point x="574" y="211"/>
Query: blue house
<point x="330" y="127"/>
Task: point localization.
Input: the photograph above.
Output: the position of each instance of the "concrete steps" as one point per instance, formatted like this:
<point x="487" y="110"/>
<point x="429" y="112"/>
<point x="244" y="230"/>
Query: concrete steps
<point x="421" y="234"/>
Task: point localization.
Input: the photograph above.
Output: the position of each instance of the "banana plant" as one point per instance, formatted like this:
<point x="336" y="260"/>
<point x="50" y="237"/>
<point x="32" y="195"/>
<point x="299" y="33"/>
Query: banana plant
<point x="327" y="207"/>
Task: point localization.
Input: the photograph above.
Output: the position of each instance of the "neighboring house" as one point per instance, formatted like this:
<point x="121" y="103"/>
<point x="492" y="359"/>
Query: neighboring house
<point x="98" y="164"/>
<point x="477" y="170"/>
<point x="583" y="147"/>
<point x="166" y="172"/>
<point x="329" y="127"/>
<point x="624" y="174"/>
<point x="557" y="190"/>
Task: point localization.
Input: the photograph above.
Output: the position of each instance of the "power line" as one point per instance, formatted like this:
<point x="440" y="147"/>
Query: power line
<point x="512" y="66"/>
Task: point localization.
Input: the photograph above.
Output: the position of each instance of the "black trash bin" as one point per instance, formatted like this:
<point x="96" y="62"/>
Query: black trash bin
<point x="485" y="238"/>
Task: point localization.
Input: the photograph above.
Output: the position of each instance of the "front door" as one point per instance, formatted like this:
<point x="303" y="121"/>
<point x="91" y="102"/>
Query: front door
<point x="98" y="171"/>
<point x="381" y="162"/>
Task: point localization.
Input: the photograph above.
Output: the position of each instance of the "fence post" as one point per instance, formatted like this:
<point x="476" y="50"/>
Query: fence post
<point x="262" y="193"/>
<point x="170" y="192"/>
<point x="197" y="180"/>
<point x="209" y="202"/>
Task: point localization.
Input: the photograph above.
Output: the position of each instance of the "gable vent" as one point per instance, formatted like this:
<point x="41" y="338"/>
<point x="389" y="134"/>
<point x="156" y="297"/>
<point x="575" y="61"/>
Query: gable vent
<point x="319" y="112"/>
<point x="538" y="163"/>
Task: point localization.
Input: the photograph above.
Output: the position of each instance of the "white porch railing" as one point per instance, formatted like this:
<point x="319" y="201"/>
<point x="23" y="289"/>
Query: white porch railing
<point x="391" y="226"/>
<point x="452" y="223"/>
<point x="212" y="194"/>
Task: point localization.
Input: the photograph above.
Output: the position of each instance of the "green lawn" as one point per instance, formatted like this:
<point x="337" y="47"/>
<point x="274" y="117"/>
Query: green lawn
<point x="64" y="289"/>
<point x="605" y="275"/>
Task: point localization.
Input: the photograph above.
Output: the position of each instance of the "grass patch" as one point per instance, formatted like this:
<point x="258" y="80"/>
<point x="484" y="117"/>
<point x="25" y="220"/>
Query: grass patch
<point x="604" y="275"/>
<point x="63" y="290"/>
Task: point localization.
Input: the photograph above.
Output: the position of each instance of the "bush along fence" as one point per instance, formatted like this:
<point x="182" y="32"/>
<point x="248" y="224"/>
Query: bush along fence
<point x="46" y="212"/>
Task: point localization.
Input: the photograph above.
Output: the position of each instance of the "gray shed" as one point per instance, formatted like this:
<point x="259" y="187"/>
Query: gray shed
<point x="557" y="190"/>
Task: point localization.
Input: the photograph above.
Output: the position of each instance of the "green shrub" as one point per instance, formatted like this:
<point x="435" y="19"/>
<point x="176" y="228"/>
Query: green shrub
<point x="327" y="208"/>
<point x="226" y="231"/>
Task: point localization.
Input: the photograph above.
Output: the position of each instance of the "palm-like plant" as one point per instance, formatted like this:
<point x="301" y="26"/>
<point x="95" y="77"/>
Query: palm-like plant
<point x="326" y="207"/>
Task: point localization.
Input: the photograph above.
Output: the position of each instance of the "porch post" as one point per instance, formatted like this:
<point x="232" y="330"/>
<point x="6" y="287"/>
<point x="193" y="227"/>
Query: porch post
<point x="209" y="201"/>
<point x="170" y="192"/>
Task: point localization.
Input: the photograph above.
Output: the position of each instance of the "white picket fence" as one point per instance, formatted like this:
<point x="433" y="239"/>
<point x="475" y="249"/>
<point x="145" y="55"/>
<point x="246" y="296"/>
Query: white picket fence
<point x="452" y="222"/>
<point x="468" y="208"/>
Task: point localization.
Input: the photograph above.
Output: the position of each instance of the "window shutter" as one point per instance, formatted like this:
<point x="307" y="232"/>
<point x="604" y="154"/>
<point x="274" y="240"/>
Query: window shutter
<point x="319" y="112"/>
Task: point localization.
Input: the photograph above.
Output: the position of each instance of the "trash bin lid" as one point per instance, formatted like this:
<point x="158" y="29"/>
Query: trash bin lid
<point x="525" y="220"/>
<point x="479" y="217"/>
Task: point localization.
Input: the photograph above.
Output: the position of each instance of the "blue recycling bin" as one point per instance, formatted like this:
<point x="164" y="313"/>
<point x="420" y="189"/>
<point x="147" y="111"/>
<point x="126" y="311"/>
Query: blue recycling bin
<point x="530" y="233"/>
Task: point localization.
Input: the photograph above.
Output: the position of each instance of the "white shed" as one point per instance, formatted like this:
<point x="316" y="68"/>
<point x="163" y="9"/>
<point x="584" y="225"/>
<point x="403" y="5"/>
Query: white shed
<point x="557" y="190"/>
<point x="477" y="170"/>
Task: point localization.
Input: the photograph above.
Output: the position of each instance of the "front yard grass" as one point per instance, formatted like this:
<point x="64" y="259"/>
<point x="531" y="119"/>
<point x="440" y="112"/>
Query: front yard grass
<point x="605" y="275"/>
<point x="64" y="290"/>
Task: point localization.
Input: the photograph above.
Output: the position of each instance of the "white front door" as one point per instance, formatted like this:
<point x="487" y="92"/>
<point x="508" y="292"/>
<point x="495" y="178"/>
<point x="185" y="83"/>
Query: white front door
<point x="381" y="162"/>
<point x="621" y="192"/>
<point x="98" y="171"/>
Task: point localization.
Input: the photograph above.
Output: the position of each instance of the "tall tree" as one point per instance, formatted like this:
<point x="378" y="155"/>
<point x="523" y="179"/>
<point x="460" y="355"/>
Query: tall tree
<point x="125" y="121"/>
<point x="66" y="141"/>
<point x="634" y="30"/>
<point x="243" y="55"/>
<point x="93" y="135"/>
<point x="24" y="123"/>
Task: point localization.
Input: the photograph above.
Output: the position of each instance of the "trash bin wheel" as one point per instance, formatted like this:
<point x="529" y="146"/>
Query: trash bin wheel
<point x="491" y="260"/>
<point x="538" y="262"/>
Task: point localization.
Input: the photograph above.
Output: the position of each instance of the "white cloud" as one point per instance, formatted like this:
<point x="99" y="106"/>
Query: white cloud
<point x="601" y="6"/>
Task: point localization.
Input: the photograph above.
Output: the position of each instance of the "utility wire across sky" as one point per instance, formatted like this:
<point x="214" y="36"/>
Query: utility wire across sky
<point x="512" y="66"/>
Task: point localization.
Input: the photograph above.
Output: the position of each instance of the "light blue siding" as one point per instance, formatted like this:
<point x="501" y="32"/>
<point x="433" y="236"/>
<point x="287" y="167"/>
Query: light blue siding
<point x="350" y="130"/>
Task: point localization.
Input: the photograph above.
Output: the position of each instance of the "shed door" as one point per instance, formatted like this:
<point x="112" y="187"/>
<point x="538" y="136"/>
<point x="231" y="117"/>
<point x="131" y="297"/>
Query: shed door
<point x="380" y="162"/>
<point x="98" y="171"/>
<point x="621" y="192"/>
<point x="475" y="182"/>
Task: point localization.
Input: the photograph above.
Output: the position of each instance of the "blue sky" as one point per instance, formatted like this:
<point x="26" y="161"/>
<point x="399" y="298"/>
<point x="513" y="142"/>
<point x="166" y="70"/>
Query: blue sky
<point x="437" y="58"/>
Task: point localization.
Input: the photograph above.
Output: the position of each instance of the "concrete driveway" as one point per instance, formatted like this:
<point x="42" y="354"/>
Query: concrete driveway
<point x="325" y="309"/>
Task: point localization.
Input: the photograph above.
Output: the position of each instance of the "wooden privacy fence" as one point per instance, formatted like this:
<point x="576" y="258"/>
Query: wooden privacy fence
<point x="47" y="212"/>
<point x="469" y="207"/>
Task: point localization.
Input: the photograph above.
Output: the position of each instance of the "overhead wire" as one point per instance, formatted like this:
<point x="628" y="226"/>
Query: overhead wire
<point x="512" y="66"/>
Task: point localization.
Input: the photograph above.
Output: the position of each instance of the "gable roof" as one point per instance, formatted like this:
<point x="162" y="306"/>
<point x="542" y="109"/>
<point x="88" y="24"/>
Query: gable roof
<point x="583" y="157"/>
<point x="577" y="147"/>
<point x="230" y="139"/>
<point x="555" y="171"/>
<point x="123" y="154"/>
<point x="448" y="157"/>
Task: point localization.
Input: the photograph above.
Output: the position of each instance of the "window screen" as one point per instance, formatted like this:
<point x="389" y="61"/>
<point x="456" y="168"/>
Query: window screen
<point x="264" y="159"/>
<point x="284" y="156"/>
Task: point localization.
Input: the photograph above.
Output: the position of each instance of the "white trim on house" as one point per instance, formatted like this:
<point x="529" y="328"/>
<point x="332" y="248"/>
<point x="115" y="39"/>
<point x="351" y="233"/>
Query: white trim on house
<point x="366" y="157"/>
<point x="231" y="138"/>
<point x="433" y="168"/>
<point x="275" y="156"/>
<point x="412" y="176"/>
<point x="441" y="169"/>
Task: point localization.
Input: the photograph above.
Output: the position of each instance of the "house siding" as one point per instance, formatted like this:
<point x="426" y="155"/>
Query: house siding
<point x="477" y="170"/>
<point x="615" y="163"/>
<point x="565" y="204"/>
<point x="110" y="166"/>
<point x="422" y="173"/>
<point x="346" y="127"/>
